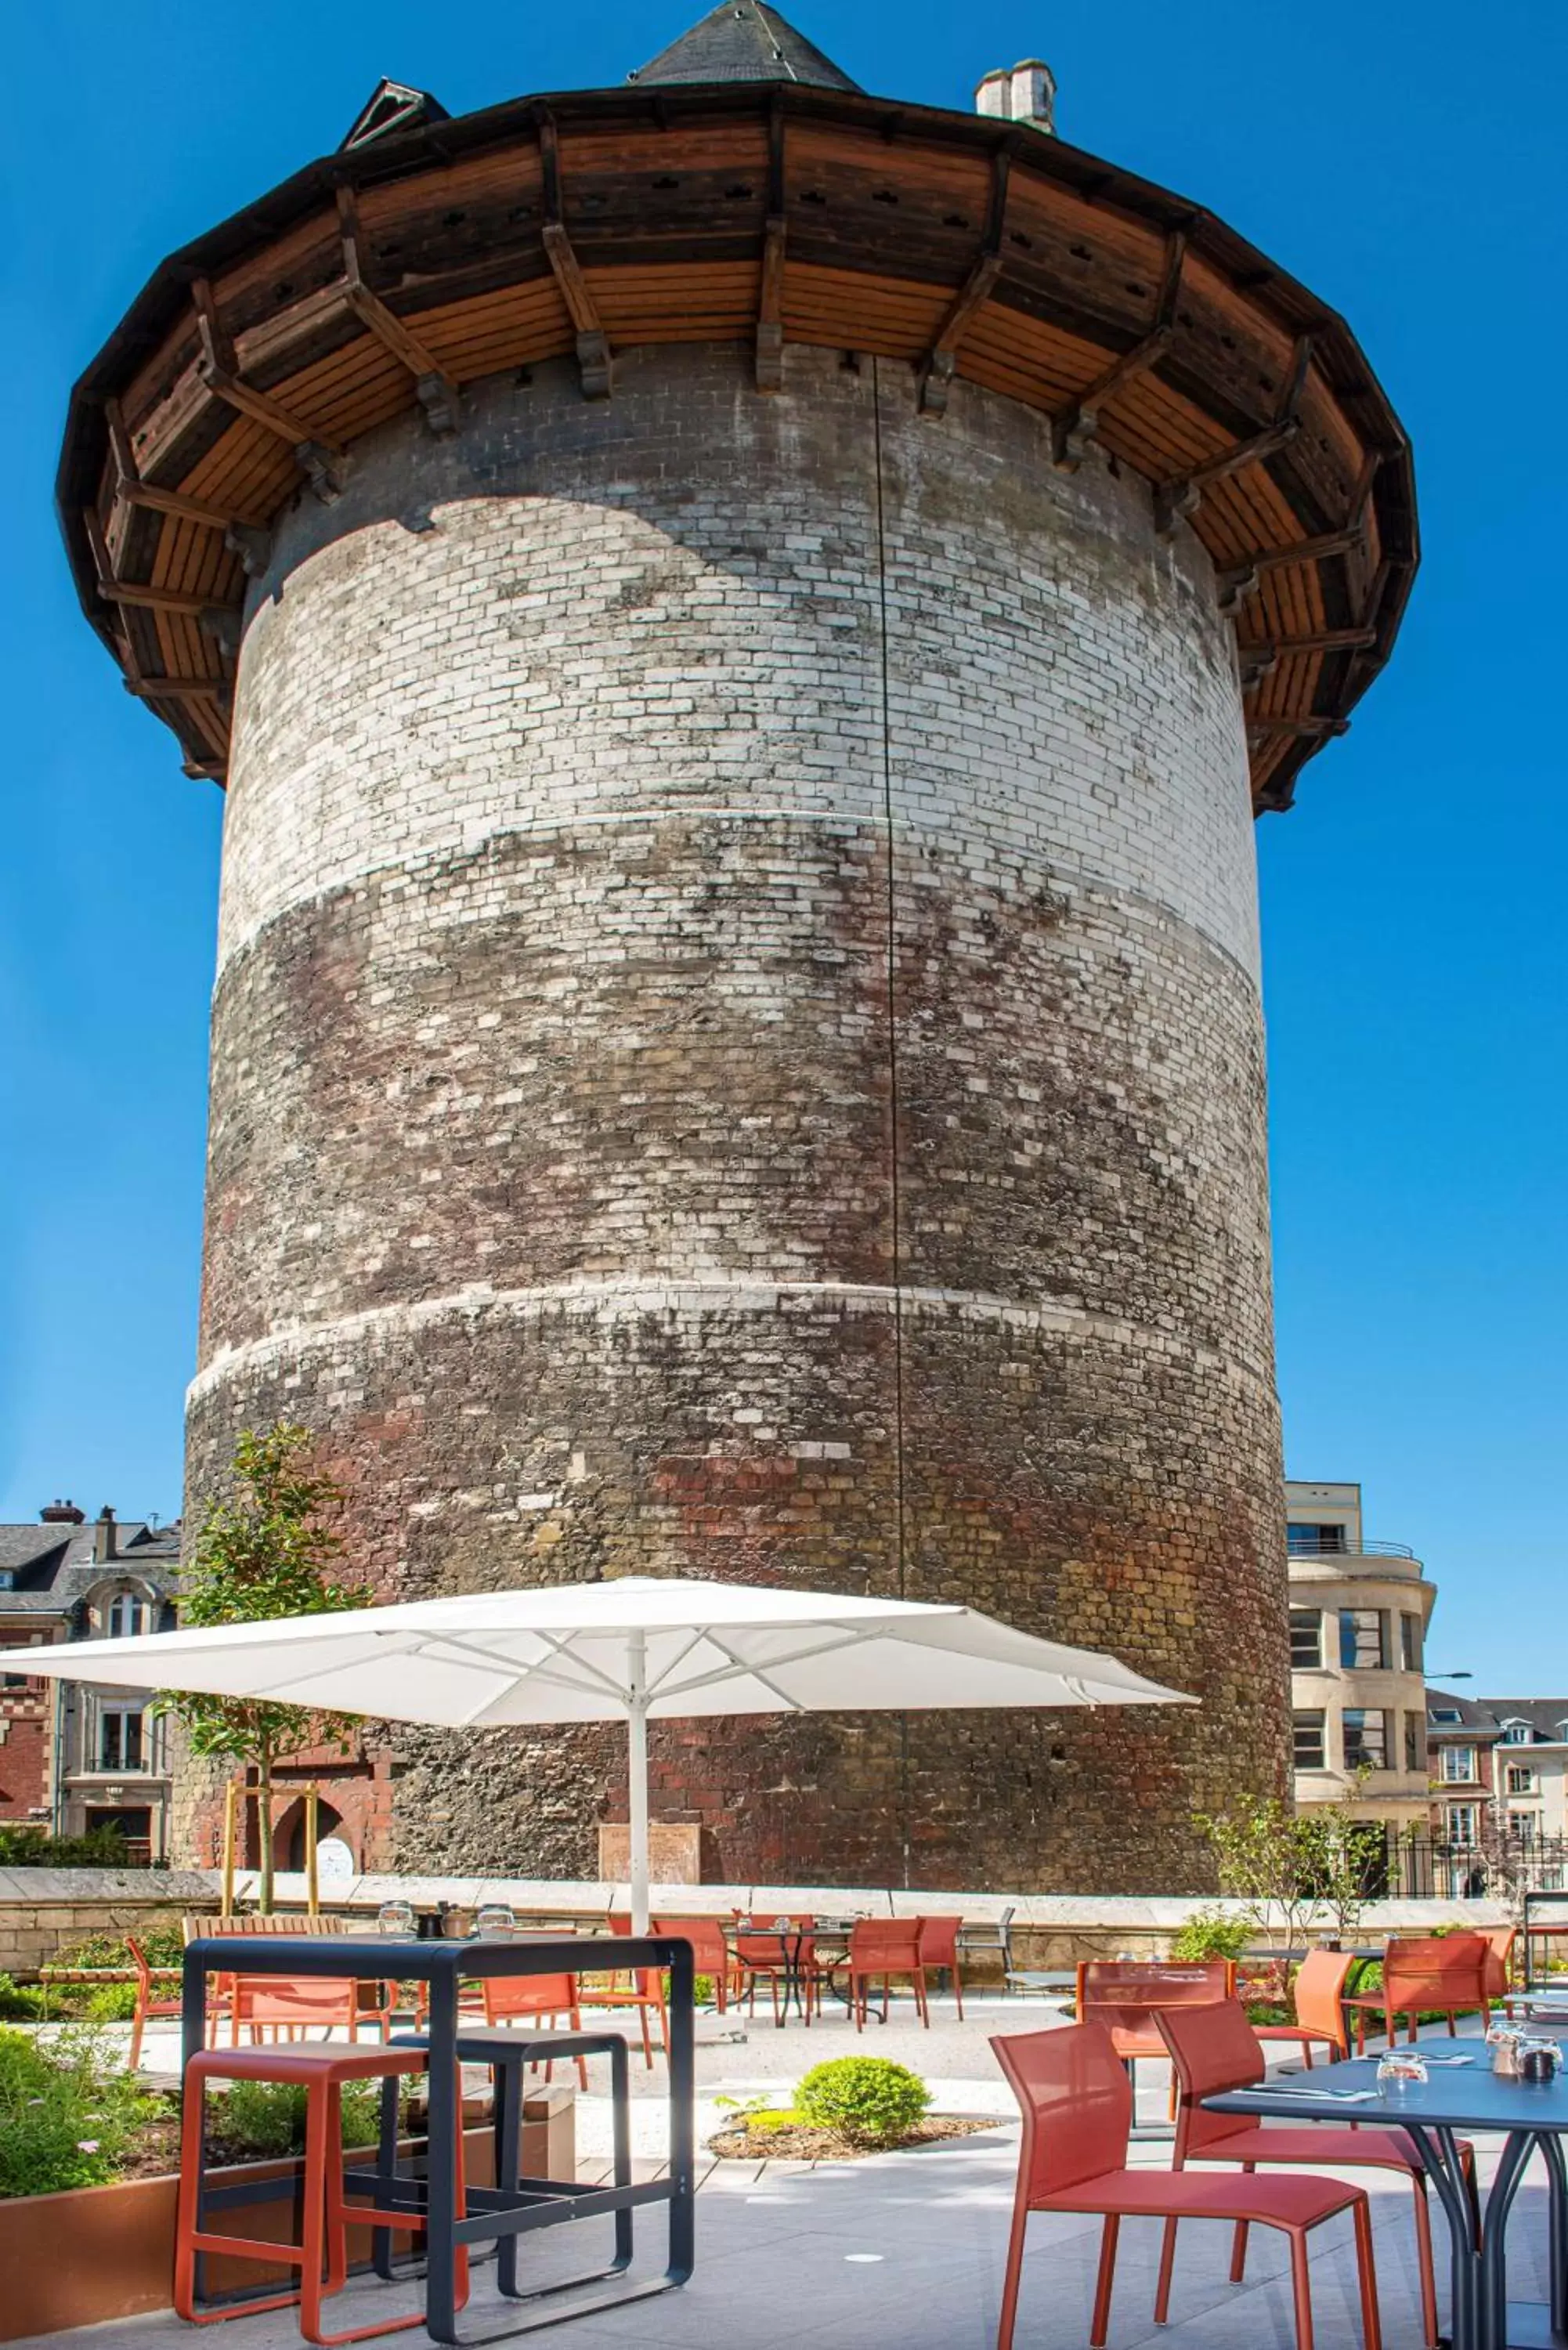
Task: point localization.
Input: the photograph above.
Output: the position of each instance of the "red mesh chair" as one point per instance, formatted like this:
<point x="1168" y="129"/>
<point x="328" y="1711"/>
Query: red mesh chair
<point x="939" y="1948"/>
<point x="536" y="1999"/>
<point x="287" y="2005"/>
<point x="1442" y="1972"/>
<point x="156" y="2006"/>
<point x="1498" y="1976"/>
<point x="1214" y="2049"/>
<point x="1123" y="1995"/>
<point x="1076" y="2101"/>
<point x="710" y="1954"/>
<point x="639" y="1987"/>
<point x="1318" y="1997"/>
<point x="880" y="1949"/>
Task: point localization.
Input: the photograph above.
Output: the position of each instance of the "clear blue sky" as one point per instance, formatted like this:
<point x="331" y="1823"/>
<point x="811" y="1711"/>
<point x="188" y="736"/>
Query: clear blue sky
<point x="1406" y="161"/>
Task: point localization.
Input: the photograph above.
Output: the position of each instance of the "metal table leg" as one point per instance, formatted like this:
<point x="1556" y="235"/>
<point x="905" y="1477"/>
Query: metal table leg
<point x="445" y="2121"/>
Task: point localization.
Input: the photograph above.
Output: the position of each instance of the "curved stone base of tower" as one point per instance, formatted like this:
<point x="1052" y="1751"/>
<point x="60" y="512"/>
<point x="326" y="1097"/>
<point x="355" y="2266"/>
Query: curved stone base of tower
<point x="737" y="1053"/>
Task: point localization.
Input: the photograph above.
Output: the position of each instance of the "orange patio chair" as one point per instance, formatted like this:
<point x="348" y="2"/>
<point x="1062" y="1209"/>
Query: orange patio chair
<point x="939" y="1947"/>
<point x="1445" y="1973"/>
<point x="1318" y="1997"/>
<point x="880" y="1949"/>
<point x="536" y="1999"/>
<point x="711" y="1953"/>
<point x="1214" y="2049"/>
<point x="1077" y="2101"/>
<point x="1124" y="1996"/>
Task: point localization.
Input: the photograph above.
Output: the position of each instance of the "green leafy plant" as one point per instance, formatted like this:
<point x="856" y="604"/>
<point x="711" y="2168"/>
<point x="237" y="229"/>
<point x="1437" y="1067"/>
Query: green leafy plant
<point x="265" y="2120"/>
<point x="162" y="1946"/>
<point x="20" y="2002"/>
<point x="866" y="2099"/>
<point x="1267" y="1856"/>
<point x="1209" y="1933"/>
<point x="111" y="2002"/>
<point x="265" y="1552"/>
<point x="28" y="1847"/>
<point x="67" y="2114"/>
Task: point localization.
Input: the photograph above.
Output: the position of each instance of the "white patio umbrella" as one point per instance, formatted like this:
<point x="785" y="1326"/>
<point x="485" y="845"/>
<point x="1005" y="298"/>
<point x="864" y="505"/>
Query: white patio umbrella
<point x="637" y="1649"/>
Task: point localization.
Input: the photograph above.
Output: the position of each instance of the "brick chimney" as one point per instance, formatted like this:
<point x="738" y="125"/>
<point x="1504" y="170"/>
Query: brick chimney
<point x="103" y="1537"/>
<point x="61" y="1513"/>
<point x="1020" y="93"/>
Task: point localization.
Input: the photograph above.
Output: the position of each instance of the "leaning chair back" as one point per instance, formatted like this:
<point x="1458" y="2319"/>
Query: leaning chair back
<point x="890" y="1942"/>
<point x="1319" y="1994"/>
<point x="938" y="1940"/>
<point x="1441" y="1970"/>
<point x="1125" y="1995"/>
<point x="1213" y="2049"/>
<point x="1076" y="2103"/>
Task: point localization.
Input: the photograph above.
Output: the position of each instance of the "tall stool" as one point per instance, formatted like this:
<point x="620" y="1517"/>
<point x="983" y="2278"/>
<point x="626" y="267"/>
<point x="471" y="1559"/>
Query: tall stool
<point x="509" y="2056"/>
<point x="321" y="2256"/>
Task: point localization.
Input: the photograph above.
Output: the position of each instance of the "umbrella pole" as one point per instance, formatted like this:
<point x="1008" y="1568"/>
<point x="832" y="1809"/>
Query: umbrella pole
<point x="637" y="1745"/>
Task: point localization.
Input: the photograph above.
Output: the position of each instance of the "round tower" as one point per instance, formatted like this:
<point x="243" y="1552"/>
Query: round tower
<point x="745" y="627"/>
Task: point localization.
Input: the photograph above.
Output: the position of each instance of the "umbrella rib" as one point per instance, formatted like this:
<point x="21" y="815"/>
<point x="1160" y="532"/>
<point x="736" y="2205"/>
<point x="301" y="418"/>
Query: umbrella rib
<point x="678" y="1658"/>
<point x="595" y="1682"/>
<point x="760" y="1672"/>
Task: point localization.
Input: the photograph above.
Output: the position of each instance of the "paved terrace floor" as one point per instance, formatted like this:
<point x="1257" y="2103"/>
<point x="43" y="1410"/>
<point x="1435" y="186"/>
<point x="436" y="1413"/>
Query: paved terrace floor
<point x="904" y="2251"/>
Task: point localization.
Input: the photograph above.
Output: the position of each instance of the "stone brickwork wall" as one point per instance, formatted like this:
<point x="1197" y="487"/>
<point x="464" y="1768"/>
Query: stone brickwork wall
<point x="737" y="1052"/>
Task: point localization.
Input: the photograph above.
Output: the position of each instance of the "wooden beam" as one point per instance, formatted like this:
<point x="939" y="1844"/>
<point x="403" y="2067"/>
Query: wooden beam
<point x="131" y="490"/>
<point x="1074" y="428"/>
<point x="436" y="392"/>
<point x="158" y="599"/>
<point x="206" y="771"/>
<point x="941" y="359"/>
<point x="1304" y="550"/>
<point x="1310" y="726"/>
<point x="215" y="367"/>
<point x="1329" y="640"/>
<point x="770" y="306"/>
<point x="1175" y="500"/>
<point x="178" y="688"/>
<point x="593" y="343"/>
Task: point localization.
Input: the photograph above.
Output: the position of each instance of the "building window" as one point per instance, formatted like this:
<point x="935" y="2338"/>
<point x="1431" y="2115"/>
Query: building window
<point x="1516" y="1734"/>
<point x="1520" y="1779"/>
<point x="1414" y="1727"/>
<point x="1521" y="1826"/>
<point x="127" y="1616"/>
<point x="1310" y="1753"/>
<point x="121" y="1738"/>
<point x="1306" y="1639"/>
<point x="1411" y="1644"/>
<point x="1461" y="1822"/>
<point x="1447" y="1714"/>
<point x="1316" y="1542"/>
<point x="1458" y="1762"/>
<point x="1366" y="1739"/>
<point x="1363" y="1640"/>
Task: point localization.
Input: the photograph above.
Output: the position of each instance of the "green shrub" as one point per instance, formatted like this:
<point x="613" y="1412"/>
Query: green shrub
<point x="1212" y="1934"/>
<point x="111" y="2003"/>
<point x="868" y="2099"/>
<point x="162" y="1946"/>
<point x="20" y="2002"/>
<point x="263" y="2120"/>
<point x="26" y="1847"/>
<point x="67" y="2113"/>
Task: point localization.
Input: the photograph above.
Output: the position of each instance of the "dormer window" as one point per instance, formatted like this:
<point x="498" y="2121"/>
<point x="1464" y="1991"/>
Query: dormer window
<point x="127" y="1615"/>
<point x="1516" y="1734"/>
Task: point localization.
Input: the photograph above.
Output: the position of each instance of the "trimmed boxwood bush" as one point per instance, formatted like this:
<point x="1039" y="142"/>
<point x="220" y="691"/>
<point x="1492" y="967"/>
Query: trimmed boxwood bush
<point x="867" y="2099"/>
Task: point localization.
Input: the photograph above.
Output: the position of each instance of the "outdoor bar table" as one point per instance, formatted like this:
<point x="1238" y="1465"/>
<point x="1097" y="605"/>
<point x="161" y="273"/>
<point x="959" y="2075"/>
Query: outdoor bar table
<point x="1461" y="2093"/>
<point x="539" y="2203"/>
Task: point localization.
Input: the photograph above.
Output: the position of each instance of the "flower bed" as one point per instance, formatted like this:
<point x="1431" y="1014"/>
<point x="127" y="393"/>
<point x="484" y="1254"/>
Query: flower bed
<point x="849" y="2107"/>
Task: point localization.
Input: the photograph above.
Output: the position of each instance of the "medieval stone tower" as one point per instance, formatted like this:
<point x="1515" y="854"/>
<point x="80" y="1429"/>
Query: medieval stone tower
<point x="745" y="627"/>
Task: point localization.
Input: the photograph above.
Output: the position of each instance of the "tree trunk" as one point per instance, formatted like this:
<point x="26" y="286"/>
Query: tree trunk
<point x="264" y="1828"/>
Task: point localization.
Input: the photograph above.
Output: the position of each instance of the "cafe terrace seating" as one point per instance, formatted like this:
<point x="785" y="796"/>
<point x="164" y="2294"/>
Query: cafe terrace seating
<point x="1076" y="2102"/>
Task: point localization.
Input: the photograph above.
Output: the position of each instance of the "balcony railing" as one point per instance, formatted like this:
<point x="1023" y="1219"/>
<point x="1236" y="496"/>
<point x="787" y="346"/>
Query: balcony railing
<point x="1314" y="1546"/>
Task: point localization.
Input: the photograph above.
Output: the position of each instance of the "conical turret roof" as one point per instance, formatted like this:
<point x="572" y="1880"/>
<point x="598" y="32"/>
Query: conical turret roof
<point x="743" y="41"/>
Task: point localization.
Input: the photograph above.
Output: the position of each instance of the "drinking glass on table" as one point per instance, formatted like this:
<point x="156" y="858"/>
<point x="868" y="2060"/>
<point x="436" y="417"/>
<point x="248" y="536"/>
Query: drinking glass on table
<point x="494" y="1922"/>
<point x="1401" y="2068"/>
<point x="396" y="1918"/>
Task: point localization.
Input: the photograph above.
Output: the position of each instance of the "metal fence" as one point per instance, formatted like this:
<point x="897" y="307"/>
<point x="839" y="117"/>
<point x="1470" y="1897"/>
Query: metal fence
<point x="1404" y="1865"/>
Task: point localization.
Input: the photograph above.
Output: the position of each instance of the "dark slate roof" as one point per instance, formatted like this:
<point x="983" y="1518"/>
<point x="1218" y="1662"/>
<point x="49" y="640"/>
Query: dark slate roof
<point x="54" y="1565"/>
<point x="747" y="42"/>
<point x="1483" y="1717"/>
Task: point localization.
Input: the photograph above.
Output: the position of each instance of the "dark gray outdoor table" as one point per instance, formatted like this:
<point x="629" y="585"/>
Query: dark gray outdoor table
<point x="539" y="2203"/>
<point x="791" y="1940"/>
<point x="1531" y="2115"/>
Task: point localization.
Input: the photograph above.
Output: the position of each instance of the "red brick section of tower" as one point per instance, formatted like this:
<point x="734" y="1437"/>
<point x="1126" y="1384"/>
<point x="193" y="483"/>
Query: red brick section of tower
<point x="744" y="626"/>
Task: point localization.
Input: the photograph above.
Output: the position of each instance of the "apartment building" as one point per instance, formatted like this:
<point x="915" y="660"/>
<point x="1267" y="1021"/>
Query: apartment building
<point x="1359" y="1613"/>
<point x="72" y="1757"/>
<point x="1500" y="1769"/>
